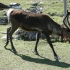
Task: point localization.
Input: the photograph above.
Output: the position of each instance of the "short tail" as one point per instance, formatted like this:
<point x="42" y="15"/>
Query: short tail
<point x="8" y="14"/>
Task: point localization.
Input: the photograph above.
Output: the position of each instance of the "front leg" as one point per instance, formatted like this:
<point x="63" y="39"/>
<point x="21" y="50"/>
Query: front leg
<point x="37" y="40"/>
<point x="50" y="43"/>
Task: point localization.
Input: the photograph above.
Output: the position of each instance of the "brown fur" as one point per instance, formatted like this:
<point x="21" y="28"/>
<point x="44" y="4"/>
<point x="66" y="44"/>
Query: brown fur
<point x="29" y="21"/>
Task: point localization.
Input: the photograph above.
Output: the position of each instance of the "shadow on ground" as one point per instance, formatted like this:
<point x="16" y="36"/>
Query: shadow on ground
<point x="42" y="61"/>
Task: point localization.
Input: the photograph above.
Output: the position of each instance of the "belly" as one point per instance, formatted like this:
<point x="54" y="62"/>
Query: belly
<point x="28" y="29"/>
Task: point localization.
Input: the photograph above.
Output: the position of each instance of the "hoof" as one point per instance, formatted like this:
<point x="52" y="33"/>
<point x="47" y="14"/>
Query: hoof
<point x="5" y="47"/>
<point x="57" y="58"/>
<point x="14" y="51"/>
<point x="36" y="53"/>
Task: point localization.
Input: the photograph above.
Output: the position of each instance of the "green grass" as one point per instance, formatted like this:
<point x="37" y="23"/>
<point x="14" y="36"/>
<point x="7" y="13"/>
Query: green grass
<point x="26" y="58"/>
<point x="49" y="7"/>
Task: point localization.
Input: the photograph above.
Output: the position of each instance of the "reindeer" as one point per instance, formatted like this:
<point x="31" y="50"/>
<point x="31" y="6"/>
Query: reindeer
<point x="39" y="23"/>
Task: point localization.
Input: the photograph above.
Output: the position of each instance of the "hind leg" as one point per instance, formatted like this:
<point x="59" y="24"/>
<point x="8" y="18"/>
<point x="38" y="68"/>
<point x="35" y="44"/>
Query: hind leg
<point x="12" y="46"/>
<point x="13" y="29"/>
<point x="7" y="40"/>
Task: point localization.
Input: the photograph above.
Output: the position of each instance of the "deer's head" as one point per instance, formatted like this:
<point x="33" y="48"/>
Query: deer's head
<point x="66" y="30"/>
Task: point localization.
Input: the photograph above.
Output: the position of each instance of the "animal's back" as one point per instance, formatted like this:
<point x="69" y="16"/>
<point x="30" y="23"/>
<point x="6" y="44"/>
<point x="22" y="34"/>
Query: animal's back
<point x="29" y="20"/>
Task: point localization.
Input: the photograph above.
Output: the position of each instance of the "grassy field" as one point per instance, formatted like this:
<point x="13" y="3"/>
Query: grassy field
<point x="26" y="59"/>
<point x="53" y="8"/>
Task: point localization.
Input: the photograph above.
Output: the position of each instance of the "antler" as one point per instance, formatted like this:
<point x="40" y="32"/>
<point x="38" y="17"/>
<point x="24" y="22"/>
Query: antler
<point x="66" y="17"/>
